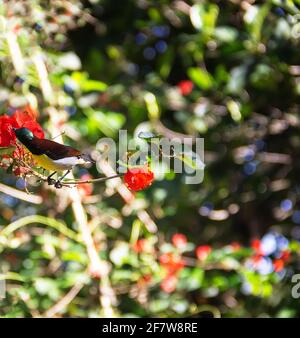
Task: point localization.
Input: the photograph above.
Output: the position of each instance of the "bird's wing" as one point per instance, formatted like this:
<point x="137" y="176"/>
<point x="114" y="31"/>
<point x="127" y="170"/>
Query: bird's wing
<point x="53" y="150"/>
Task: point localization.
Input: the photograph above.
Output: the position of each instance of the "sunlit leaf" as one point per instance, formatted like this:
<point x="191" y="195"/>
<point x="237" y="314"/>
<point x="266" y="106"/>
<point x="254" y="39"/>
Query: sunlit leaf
<point x="200" y="77"/>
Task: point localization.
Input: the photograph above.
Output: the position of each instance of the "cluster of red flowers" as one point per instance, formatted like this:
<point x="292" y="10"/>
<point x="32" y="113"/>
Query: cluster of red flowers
<point x="279" y="260"/>
<point x="272" y="248"/>
<point x="20" y="118"/>
<point x="141" y="245"/>
<point x="138" y="178"/>
<point x="202" y="252"/>
<point x="173" y="263"/>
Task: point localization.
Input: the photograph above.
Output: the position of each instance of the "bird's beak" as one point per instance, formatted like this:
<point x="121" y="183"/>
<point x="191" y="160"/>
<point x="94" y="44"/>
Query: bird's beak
<point x="14" y="129"/>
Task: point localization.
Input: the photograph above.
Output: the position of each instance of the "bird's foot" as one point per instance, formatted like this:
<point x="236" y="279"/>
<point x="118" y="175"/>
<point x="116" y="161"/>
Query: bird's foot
<point x="51" y="181"/>
<point x="58" y="185"/>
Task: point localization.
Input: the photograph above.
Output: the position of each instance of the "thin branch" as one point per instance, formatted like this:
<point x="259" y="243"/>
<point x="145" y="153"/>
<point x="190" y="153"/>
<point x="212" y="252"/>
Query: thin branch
<point x="65" y="301"/>
<point x="15" y="53"/>
<point x="43" y="77"/>
<point x="62" y="133"/>
<point x="94" y="180"/>
<point x="65" y="183"/>
<point x="51" y="222"/>
<point x="20" y="194"/>
<point x="275" y="158"/>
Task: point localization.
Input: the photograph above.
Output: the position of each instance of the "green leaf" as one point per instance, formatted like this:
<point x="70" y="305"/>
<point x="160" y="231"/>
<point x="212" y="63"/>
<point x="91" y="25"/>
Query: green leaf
<point x="200" y="77"/>
<point x="166" y="62"/>
<point x="47" y="286"/>
<point x="234" y="110"/>
<point x="191" y="279"/>
<point x="159" y="305"/>
<point x="73" y="256"/>
<point x="152" y="106"/>
<point x="12" y="276"/>
<point x="119" y="254"/>
<point x="204" y="16"/>
<point x="107" y="122"/>
<point x="93" y="85"/>
<point x="87" y="85"/>
<point x="180" y="306"/>
<point x="254" y="19"/>
<point x="225" y="34"/>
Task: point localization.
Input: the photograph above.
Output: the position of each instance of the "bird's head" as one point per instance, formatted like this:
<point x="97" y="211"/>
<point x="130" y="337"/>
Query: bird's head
<point x="23" y="134"/>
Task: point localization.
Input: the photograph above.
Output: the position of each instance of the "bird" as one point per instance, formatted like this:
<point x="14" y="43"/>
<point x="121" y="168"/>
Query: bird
<point x="51" y="155"/>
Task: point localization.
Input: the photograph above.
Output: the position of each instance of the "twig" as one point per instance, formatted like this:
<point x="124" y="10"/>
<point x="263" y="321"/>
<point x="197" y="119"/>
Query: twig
<point x="275" y="158"/>
<point x="161" y="129"/>
<point x="53" y="223"/>
<point x="65" y="301"/>
<point x="94" y="180"/>
<point x="65" y="183"/>
<point x="15" y="53"/>
<point x="43" y="77"/>
<point x="62" y="133"/>
<point x="20" y="194"/>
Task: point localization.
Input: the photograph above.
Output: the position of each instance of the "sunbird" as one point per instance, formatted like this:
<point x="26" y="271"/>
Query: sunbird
<point x="51" y="155"/>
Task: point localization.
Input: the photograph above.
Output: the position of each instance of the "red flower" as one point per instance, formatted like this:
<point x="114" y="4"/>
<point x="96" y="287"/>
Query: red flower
<point x="171" y="262"/>
<point x="235" y="246"/>
<point x="145" y="279"/>
<point x="35" y="128"/>
<point x="285" y="255"/>
<point x="21" y="170"/>
<point x="256" y="260"/>
<point x="27" y="118"/>
<point x="202" y="252"/>
<point x="278" y="265"/>
<point x="185" y="87"/>
<point x="94" y="271"/>
<point x="7" y="135"/>
<point x="140" y="245"/>
<point x="179" y="241"/>
<point x="85" y="189"/>
<point x="21" y="118"/>
<point x="16" y="28"/>
<point x="169" y="283"/>
<point x="256" y="245"/>
<point x="138" y="178"/>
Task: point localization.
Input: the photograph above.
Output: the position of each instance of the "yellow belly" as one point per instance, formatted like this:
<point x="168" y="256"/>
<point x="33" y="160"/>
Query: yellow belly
<point x="46" y="163"/>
